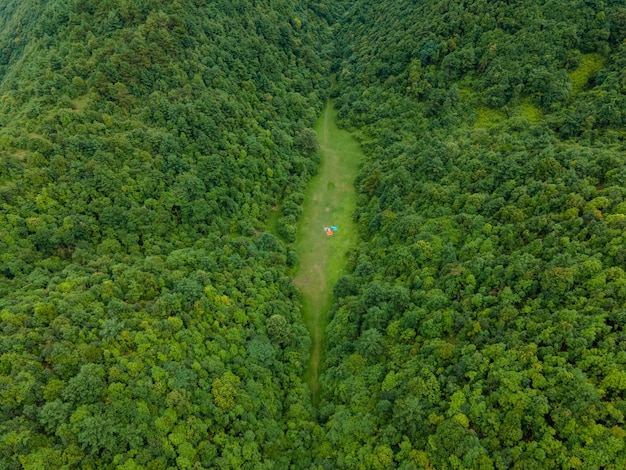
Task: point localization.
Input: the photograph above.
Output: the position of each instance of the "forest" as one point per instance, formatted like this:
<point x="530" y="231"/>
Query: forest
<point x="147" y="317"/>
<point x="154" y="157"/>
<point x="482" y="322"/>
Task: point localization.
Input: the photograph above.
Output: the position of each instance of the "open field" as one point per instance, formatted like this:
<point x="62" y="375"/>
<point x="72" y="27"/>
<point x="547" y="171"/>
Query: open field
<point x="330" y="200"/>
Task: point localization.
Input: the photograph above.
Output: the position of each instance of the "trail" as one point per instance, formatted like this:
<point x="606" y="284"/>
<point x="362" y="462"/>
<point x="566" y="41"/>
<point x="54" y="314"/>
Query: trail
<point x="330" y="200"/>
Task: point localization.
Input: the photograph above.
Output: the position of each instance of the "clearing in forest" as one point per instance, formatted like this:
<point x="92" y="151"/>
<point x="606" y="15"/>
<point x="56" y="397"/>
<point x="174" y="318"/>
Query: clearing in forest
<point x="330" y="200"/>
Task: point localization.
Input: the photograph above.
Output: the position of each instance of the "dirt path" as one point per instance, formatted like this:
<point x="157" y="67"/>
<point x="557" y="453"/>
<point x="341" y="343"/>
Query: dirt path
<point x="330" y="200"/>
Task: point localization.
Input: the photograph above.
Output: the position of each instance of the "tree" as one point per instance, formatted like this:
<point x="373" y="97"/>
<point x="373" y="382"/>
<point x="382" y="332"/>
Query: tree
<point x="306" y="141"/>
<point x="371" y="343"/>
<point x="279" y="330"/>
<point x="225" y="390"/>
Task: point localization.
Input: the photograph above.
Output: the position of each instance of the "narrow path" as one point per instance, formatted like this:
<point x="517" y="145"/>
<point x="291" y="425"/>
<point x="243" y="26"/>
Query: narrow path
<point x="330" y="201"/>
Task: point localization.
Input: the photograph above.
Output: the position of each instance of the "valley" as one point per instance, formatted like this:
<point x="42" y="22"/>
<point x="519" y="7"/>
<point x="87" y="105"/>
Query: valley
<point x="330" y="200"/>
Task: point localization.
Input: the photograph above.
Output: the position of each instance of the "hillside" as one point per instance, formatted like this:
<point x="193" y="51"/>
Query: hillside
<point x="482" y="325"/>
<point x="147" y="321"/>
<point x="154" y="163"/>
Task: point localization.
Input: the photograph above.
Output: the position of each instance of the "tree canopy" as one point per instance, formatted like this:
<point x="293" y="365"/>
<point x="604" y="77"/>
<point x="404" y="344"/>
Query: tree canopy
<point x="143" y="308"/>
<point x="480" y="324"/>
<point x="154" y="157"/>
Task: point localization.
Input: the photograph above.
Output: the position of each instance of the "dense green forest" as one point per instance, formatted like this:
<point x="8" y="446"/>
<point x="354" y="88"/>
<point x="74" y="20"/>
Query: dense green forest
<point x="482" y="325"/>
<point x="147" y="313"/>
<point x="147" y="319"/>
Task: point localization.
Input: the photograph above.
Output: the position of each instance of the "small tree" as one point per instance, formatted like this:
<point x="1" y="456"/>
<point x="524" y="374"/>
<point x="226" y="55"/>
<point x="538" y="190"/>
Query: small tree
<point x="279" y="330"/>
<point x="306" y="141"/>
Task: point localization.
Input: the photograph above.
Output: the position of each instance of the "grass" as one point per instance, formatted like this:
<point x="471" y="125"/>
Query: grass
<point x="272" y="222"/>
<point x="487" y="117"/>
<point x="330" y="200"/>
<point x="78" y="104"/>
<point x="590" y="64"/>
<point x="530" y="111"/>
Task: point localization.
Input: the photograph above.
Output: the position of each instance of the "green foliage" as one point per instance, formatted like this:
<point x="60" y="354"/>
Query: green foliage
<point x="530" y="112"/>
<point x="146" y="316"/>
<point x="142" y="147"/>
<point x="588" y="66"/>
<point x="278" y="330"/>
<point x="480" y="325"/>
<point x="486" y="117"/>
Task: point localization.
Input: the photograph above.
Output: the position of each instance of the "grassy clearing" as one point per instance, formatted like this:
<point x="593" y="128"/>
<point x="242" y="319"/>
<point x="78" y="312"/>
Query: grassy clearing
<point x="330" y="200"/>
<point x="530" y="111"/>
<point x="79" y="104"/>
<point x="272" y="222"/>
<point x="590" y="64"/>
<point x="487" y="117"/>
